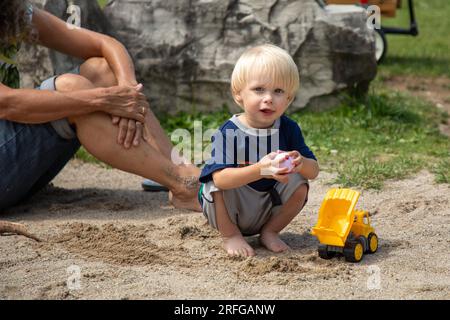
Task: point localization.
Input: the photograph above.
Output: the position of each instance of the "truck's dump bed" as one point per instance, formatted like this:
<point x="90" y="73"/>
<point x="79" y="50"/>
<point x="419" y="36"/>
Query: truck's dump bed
<point x="336" y="215"/>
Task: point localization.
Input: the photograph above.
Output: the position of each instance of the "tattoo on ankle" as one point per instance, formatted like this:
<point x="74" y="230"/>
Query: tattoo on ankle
<point x="189" y="182"/>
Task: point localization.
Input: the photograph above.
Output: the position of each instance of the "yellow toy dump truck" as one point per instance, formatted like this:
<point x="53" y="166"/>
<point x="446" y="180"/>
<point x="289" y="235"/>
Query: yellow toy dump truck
<point x="341" y="229"/>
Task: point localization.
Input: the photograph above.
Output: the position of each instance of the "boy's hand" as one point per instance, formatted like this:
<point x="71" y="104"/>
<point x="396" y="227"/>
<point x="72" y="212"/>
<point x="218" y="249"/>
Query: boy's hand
<point x="270" y="168"/>
<point x="297" y="160"/>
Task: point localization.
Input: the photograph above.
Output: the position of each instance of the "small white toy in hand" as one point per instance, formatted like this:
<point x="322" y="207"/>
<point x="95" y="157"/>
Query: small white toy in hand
<point x="287" y="163"/>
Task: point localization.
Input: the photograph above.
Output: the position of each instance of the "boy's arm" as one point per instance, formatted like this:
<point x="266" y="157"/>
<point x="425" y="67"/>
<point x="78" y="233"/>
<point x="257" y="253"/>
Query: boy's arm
<point x="266" y="167"/>
<point x="230" y="178"/>
<point x="308" y="168"/>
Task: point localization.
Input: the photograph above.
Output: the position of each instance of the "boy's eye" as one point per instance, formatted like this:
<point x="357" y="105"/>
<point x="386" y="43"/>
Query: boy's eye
<point x="259" y="89"/>
<point x="279" y="91"/>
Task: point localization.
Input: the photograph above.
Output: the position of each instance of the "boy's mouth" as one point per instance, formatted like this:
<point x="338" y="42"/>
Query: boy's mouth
<point x="267" y="112"/>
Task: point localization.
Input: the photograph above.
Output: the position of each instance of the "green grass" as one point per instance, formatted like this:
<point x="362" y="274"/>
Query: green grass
<point x="85" y="156"/>
<point x="385" y="136"/>
<point x="388" y="136"/>
<point x="102" y="3"/>
<point x="427" y="54"/>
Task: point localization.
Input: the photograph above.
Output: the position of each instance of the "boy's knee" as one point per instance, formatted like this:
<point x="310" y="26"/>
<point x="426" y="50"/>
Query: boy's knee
<point x="98" y="71"/>
<point x="301" y="192"/>
<point x="72" y="82"/>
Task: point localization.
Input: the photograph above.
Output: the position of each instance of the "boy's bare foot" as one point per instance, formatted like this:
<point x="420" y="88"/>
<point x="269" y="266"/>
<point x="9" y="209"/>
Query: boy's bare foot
<point x="272" y="241"/>
<point x="237" y="246"/>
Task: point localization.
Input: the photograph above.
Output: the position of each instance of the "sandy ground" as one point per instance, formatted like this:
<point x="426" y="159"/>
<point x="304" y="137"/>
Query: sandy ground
<point x="107" y="239"/>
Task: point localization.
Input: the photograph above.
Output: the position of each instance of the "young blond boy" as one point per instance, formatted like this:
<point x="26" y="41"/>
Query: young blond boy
<point x="245" y="190"/>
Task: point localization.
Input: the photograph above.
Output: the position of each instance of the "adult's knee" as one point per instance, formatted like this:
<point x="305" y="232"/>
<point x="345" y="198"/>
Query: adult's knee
<point x="72" y="82"/>
<point x="98" y="71"/>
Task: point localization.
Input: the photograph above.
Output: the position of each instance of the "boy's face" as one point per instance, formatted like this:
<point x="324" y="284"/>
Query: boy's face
<point x="263" y="102"/>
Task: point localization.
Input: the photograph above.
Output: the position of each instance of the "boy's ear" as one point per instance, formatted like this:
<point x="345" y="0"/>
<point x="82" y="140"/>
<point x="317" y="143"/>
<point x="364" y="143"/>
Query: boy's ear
<point x="238" y="97"/>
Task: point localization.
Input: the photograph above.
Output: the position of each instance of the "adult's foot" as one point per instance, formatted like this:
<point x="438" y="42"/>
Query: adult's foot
<point x="184" y="196"/>
<point x="185" y="203"/>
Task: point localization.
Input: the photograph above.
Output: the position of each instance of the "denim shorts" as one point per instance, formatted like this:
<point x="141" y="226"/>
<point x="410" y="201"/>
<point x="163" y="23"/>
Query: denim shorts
<point x="31" y="155"/>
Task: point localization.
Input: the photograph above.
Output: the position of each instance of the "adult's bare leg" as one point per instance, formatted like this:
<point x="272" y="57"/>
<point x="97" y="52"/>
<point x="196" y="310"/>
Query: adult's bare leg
<point x="97" y="71"/>
<point x="97" y="134"/>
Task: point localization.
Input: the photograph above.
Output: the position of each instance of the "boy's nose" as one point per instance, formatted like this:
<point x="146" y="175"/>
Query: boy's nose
<point x="267" y="98"/>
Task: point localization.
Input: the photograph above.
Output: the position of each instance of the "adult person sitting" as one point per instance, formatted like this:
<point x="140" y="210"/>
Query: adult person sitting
<point x="100" y="106"/>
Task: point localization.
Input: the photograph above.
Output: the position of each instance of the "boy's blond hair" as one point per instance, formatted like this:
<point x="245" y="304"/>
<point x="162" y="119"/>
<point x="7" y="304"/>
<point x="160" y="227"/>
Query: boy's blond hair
<point x="269" y="61"/>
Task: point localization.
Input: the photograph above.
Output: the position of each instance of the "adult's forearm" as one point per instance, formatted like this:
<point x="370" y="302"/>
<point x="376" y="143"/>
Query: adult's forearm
<point x="119" y="60"/>
<point x="40" y="106"/>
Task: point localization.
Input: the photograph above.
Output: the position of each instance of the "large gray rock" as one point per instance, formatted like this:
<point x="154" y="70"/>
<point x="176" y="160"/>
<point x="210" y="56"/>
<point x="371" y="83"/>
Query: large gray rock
<point x="34" y="61"/>
<point x="92" y="18"/>
<point x="37" y="63"/>
<point x="184" y="51"/>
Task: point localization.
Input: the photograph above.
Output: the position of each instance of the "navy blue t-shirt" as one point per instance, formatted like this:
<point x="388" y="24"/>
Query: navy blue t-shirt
<point x="235" y="145"/>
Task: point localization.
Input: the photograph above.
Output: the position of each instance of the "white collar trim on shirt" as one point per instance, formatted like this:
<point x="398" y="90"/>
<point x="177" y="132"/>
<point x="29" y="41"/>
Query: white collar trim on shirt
<point x="254" y="131"/>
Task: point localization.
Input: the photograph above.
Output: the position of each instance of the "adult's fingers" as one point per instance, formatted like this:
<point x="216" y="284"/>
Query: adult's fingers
<point x="136" y="114"/>
<point x="131" y="130"/>
<point x="115" y="119"/>
<point x="123" y="128"/>
<point x="139" y="134"/>
<point x="139" y="87"/>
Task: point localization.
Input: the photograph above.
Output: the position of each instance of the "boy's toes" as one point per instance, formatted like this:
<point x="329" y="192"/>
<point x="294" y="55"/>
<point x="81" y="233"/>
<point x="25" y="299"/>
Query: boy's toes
<point x="250" y="252"/>
<point x="272" y="242"/>
<point x="237" y="246"/>
<point x="242" y="252"/>
<point x="280" y="247"/>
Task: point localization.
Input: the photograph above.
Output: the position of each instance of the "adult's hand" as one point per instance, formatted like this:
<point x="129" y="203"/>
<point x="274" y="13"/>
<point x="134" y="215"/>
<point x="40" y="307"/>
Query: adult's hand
<point x="125" y="102"/>
<point x="130" y="131"/>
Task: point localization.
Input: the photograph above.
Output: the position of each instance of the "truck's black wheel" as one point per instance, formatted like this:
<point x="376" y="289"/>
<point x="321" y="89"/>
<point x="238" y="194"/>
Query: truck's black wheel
<point x="372" y="239"/>
<point x="354" y="250"/>
<point x="324" y="253"/>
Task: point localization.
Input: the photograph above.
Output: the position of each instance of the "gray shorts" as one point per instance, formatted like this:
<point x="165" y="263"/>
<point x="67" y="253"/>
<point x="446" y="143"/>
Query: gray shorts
<point x="61" y="126"/>
<point x="248" y="208"/>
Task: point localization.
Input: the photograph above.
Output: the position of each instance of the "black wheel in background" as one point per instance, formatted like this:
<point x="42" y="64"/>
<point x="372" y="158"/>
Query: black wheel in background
<point x="380" y="45"/>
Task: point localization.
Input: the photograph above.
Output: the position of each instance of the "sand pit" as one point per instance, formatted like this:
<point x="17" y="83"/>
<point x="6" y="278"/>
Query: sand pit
<point x="104" y="238"/>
